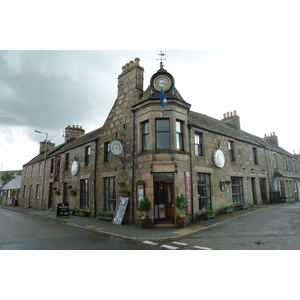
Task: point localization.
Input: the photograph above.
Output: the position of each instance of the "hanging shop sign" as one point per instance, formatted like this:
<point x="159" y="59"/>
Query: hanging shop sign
<point x="57" y="168"/>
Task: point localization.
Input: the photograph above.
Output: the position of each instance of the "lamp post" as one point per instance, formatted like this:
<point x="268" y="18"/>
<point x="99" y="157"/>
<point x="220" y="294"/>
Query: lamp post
<point x="45" y="155"/>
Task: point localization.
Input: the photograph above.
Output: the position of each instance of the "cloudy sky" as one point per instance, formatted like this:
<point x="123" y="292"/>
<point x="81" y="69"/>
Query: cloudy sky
<point x="255" y="70"/>
<point x="48" y="90"/>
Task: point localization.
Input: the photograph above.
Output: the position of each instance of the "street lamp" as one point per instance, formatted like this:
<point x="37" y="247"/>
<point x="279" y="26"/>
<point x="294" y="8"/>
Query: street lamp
<point x="45" y="155"/>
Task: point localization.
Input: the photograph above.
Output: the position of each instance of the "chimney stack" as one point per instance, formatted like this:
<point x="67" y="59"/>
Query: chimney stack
<point x="232" y="119"/>
<point x="43" y="146"/>
<point x="272" y="138"/>
<point x="72" y="132"/>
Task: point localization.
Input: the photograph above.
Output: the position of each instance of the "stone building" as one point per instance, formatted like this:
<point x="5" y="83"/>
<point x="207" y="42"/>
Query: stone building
<point x="160" y="154"/>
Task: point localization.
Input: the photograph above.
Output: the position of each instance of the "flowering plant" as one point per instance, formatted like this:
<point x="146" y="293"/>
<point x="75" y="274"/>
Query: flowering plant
<point x="180" y="216"/>
<point x="144" y="217"/>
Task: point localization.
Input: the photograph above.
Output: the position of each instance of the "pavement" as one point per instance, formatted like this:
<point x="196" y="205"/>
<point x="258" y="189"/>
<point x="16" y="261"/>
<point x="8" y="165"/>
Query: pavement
<point x="134" y="231"/>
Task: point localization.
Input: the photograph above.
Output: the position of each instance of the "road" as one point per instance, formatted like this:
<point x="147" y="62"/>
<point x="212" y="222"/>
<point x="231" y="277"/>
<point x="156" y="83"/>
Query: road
<point x="25" y="232"/>
<point x="273" y="228"/>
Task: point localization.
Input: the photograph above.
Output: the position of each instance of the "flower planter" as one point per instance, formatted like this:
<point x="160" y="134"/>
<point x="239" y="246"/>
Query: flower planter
<point x="73" y="193"/>
<point x="209" y="216"/>
<point x="145" y="223"/>
<point x="124" y="194"/>
<point x="244" y="206"/>
<point x="81" y="213"/>
<point x="57" y="193"/>
<point x="105" y="216"/>
<point x="227" y="210"/>
<point x="71" y="212"/>
<point x="180" y="223"/>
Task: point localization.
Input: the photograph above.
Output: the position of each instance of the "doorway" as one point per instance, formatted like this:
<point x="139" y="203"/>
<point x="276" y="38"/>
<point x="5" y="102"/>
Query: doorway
<point x="254" y="191"/>
<point x="263" y="190"/>
<point x="164" y="202"/>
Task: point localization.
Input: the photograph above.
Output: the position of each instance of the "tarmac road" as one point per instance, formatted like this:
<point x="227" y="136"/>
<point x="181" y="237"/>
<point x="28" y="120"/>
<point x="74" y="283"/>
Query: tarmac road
<point x="26" y="232"/>
<point x="275" y="228"/>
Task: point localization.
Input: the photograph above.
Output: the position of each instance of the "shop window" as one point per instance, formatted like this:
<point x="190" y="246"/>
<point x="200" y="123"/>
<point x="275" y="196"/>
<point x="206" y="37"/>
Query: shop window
<point x="162" y="134"/>
<point x="84" y="193"/>
<point x="204" y="191"/>
<point x="198" y="144"/>
<point x="110" y="194"/>
<point x="145" y="136"/>
<point x="237" y="189"/>
<point x="179" y="135"/>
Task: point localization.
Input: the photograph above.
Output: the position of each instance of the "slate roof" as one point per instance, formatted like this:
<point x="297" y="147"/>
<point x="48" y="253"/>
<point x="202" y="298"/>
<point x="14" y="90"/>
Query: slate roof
<point x="13" y="184"/>
<point x="62" y="148"/>
<point x="210" y="124"/>
<point x="287" y="174"/>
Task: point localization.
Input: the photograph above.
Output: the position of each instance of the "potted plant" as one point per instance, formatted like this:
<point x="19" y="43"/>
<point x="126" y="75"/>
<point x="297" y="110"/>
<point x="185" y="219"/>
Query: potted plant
<point x="244" y="205"/>
<point x="180" y="203"/>
<point x="72" y="192"/>
<point x="144" y="207"/>
<point x="71" y="212"/>
<point x="227" y="209"/>
<point x="209" y="214"/>
<point x="56" y="192"/>
<point x="124" y="193"/>
<point x="69" y="186"/>
<point x="121" y="183"/>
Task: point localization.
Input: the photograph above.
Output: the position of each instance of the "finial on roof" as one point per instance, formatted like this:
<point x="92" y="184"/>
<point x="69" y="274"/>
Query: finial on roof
<point x="161" y="59"/>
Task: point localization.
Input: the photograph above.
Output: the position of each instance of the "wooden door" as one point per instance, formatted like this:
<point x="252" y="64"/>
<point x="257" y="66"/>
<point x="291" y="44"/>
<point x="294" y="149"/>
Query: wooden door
<point x="169" y="200"/>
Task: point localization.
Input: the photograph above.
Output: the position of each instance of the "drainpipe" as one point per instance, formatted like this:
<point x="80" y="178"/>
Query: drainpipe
<point x="191" y="168"/>
<point x="133" y="164"/>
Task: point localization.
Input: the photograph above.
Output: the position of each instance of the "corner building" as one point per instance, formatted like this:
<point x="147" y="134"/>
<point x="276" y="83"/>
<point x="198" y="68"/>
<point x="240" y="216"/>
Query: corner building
<point x="160" y="155"/>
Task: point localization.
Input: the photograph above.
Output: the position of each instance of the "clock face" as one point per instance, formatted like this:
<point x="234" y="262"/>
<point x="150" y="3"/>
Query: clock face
<point x="219" y="159"/>
<point x="74" y="168"/>
<point x="116" y="148"/>
<point x="162" y="81"/>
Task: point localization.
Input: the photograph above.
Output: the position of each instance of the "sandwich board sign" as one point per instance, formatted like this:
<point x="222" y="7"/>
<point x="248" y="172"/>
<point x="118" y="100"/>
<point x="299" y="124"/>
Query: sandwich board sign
<point x="120" y="211"/>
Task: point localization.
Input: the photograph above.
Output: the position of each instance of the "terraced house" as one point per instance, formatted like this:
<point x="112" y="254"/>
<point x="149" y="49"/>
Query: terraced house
<point x="160" y="153"/>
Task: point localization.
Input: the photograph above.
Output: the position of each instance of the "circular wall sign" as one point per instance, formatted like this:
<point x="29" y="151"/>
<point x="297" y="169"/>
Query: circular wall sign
<point x="116" y="147"/>
<point x="219" y="159"/>
<point x="75" y="168"/>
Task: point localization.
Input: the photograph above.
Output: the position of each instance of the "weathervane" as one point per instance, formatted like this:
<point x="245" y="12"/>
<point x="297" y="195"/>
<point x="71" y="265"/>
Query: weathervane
<point x="161" y="58"/>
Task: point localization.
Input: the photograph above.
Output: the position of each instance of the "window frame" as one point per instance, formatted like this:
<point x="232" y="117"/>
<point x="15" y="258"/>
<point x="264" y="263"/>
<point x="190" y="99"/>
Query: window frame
<point x="87" y="155"/>
<point x="179" y="138"/>
<point x="109" y="194"/>
<point x="157" y="132"/>
<point x="107" y="154"/>
<point x="205" y="188"/>
<point x="85" y="193"/>
<point x="200" y="145"/>
<point x="231" y="148"/>
<point x="145" y="136"/>
<point x="237" y="189"/>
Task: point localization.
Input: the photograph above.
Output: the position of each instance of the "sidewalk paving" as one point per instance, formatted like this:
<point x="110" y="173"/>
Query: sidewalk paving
<point x="133" y="231"/>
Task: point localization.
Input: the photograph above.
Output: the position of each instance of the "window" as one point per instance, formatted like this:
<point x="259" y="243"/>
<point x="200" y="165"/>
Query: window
<point x="255" y="156"/>
<point x="87" y="154"/>
<point x="199" y="144"/>
<point x="52" y="165"/>
<point x="32" y="171"/>
<point x="145" y="136"/>
<point x="40" y="169"/>
<point x="274" y="161"/>
<point x="163" y="134"/>
<point x="24" y="191"/>
<point x="231" y="150"/>
<point x="237" y="189"/>
<point x="84" y="193"/>
<point x="106" y="151"/>
<point x="37" y="191"/>
<point x="285" y="163"/>
<point x="67" y="161"/>
<point x="110" y="193"/>
<point x="204" y="191"/>
<point x="179" y="135"/>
